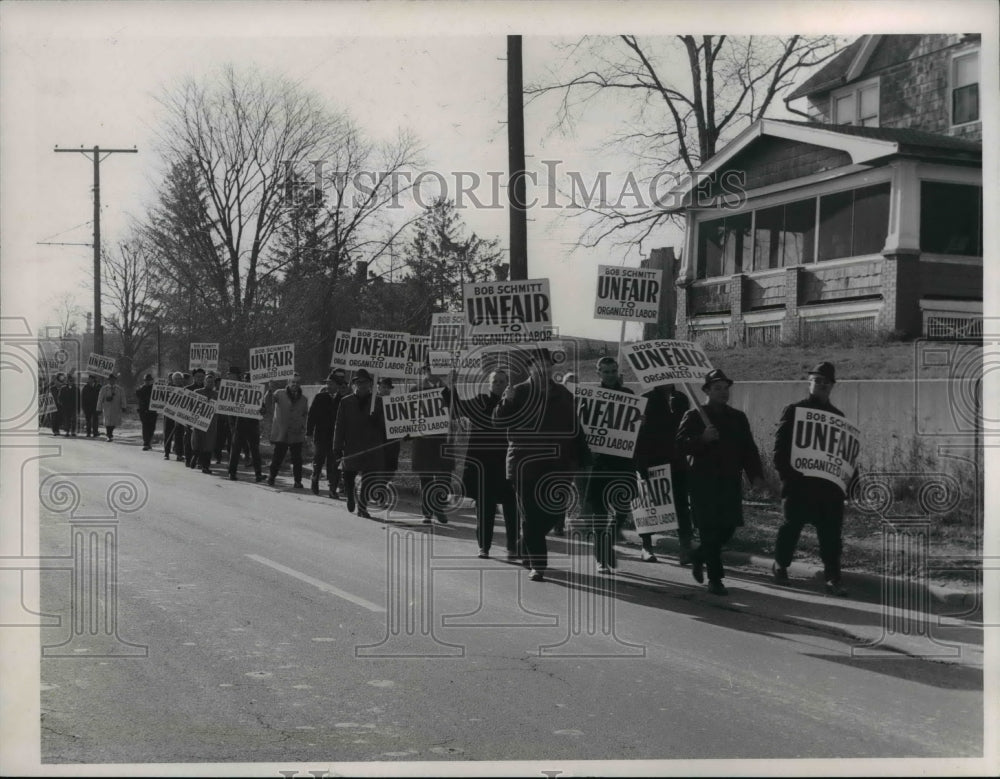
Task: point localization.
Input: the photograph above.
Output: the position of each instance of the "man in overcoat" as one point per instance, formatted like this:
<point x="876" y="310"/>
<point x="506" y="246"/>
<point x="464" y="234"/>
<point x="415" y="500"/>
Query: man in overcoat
<point x="288" y="430"/>
<point x="357" y="441"/>
<point x="721" y="452"/>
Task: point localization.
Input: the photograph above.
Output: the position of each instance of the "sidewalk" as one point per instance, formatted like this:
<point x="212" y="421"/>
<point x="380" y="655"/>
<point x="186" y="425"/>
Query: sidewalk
<point x="882" y="618"/>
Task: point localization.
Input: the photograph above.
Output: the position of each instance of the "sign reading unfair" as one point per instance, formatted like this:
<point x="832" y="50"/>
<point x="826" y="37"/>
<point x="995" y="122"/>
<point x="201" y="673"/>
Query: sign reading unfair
<point x="204" y="356"/>
<point x="631" y="294"/>
<point x="653" y="511"/>
<point x="99" y="365"/>
<point x="384" y="353"/>
<point x="664" y="362"/>
<point x="610" y="419"/>
<point x="418" y="349"/>
<point x="416" y="414"/>
<point x="446" y="340"/>
<point x="272" y="362"/>
<point x="46" y="404"/>
<point x="189" y="408"/>
<point x="825" y="446"/>
<point x="158" y="397"/>
<point x="508" y="312"/>
<point x="240" y="399"/>
<point x="341" y="343"/>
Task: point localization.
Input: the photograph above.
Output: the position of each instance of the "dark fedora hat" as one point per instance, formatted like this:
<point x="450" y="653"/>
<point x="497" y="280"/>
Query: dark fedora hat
<point x="826" y="370"/>
<point x="361" y="375"/>
<point x="716" y="375"/>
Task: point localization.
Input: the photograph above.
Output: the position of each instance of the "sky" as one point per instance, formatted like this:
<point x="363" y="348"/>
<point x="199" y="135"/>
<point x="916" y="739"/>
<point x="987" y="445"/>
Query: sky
<point x="88" y="73"/>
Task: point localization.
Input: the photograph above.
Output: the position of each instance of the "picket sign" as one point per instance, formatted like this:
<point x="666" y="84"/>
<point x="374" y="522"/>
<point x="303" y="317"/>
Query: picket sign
<point x="667" y="361"/>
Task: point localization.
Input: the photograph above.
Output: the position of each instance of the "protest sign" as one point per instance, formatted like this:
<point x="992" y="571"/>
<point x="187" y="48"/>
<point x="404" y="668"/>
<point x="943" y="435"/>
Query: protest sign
<point x="158" y="397"/>
<point x="446" y="340"/>
<point x="416" y="414"/>
<point x="663" y="361"/>
<point x="46" y="404"/>
<point x="653" y="511"/>
<point x="610" y="419"/>
<point x="341" y="343"/>
<point x="508" y="312"/>
<point x="203" y="355"/>
<point x="628" y="294"/>
<point x="240" y="399"/>
<point x="825" y="446"/>
<point x="189" y="408"/>
<point x="417" y="354"/>
<point x="99" y="365"/>
<point x="381" y="352"/>
<point x="272" y="362"/>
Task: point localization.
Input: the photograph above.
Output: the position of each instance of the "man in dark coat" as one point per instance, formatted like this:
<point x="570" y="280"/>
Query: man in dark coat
<point x="806" y="499"/>
<point x="545" y="445"/>
<point x="357" y="440"/>
<point x="88" y="399"/>
<point x="173" y="435"/>
<point x="319" y="426"/>
<point x="611" y="486"/>
<point x="197" y="383"/>
<point x="655" y="446"/>
<point x="430" y="457"/>
<point x="55" y="389"/>
<point x="246" y="436"/>
<point x="69" y="404"/>
<point x="203" y="441"/>
<point x="148" y="418"/>
<point x="720" y="452"/>
<point x="484" y="476"/>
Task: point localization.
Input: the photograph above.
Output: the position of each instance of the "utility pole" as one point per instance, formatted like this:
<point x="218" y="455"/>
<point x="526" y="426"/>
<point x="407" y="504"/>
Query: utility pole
<point x="95" y="154"/>
<point x="515" y="161"/>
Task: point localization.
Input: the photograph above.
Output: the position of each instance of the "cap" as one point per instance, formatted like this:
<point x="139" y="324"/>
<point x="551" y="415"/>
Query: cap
<point x="148" y="377"/>
<point x="361" y="374"/>
<point x="716" y="375"/>
<point x="197" y="371"/>
<point x="338" y="375"/>
<point x="177" y="376"/>
<point x="826" y="370"/>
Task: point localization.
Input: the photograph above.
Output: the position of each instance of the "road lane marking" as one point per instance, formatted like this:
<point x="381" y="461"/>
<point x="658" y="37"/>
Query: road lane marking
<point x="324" y="586"/>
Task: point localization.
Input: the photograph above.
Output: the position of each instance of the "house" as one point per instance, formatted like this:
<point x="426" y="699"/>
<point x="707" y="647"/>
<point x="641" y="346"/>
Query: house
<point x="864" y="217"/>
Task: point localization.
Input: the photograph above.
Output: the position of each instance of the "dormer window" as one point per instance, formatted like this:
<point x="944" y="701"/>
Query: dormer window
<point x="965" y="88"/>
<point x="856" y="104"/>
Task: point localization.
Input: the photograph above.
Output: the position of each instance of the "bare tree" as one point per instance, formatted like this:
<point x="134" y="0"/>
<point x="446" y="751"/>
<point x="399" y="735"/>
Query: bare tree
<point x="240" y="131"/>
<point x="66" y="316"/>
<point x="679" y="98"/>
<point x="131" y="295"/>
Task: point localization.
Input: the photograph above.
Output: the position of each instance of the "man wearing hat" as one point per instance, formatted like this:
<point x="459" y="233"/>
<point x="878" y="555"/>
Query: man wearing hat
<point x="357" y="440"/>
<point x="197" y="383"/>
<point x="246" y="436"/>
<point x="319" y="426"/>
<point x="148" y="418"/>
<point x="112" y="403"/>
<point x="806" y="499"/>
<point x="721" y="451"/>
<point x="545" y="447"/>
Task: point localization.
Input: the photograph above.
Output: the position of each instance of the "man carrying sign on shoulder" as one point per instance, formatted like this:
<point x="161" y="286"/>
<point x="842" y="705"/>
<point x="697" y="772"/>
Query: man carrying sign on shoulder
<point x="809" y="498"/>
<point x="720" y="452"/>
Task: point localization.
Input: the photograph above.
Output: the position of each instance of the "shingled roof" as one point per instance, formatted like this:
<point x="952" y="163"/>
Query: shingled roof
<point x="910" y="141"/>
<point x="831" y="75"/>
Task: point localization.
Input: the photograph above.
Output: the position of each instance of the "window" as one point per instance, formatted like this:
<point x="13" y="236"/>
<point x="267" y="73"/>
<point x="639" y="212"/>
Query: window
<point x="724" y="246"/>
<point x="951" y="219"/>
<point x="853" y="223"/>
<point x="857" y="105"/>
<point x="784" y="235"/>
<point x="965" y="88"/>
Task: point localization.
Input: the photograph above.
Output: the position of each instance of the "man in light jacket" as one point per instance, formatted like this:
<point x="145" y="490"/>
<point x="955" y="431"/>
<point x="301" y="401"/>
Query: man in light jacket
<point x="288" y="430"/>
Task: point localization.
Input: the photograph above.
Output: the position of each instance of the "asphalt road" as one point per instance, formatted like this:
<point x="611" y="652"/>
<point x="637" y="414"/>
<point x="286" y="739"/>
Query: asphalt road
<point x="220" y="621"/>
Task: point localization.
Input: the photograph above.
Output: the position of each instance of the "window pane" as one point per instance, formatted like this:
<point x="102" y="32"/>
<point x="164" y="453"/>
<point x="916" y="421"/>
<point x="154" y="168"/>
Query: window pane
<point x="965" y="104"/>
<point x="835" y="225"/>
<point x="966" y="70"/>
<point x="800" y="232"/>
<point x="843" y="109"/>
<point x="766" y="240"/>
<point x="737" y="245"/>
<point x="950" y="219"/>
<point x="871" y="219"/>
<point x="869" y="103"/>
<point x="710" y="237"/>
